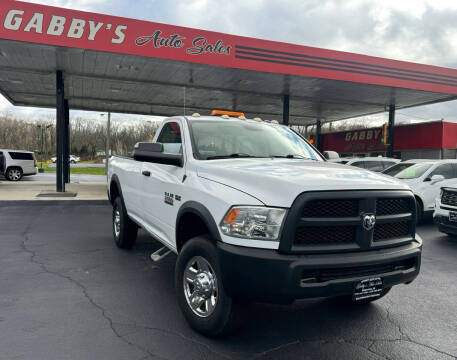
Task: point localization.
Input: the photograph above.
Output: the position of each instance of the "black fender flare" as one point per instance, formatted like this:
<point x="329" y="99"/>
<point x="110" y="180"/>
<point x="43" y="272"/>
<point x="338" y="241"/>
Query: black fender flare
<point x="115" y="179"/>
<point x="201" y="211"/>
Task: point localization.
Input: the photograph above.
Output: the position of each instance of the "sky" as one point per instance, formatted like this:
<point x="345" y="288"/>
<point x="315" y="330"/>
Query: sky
<point x="423" y="31"/>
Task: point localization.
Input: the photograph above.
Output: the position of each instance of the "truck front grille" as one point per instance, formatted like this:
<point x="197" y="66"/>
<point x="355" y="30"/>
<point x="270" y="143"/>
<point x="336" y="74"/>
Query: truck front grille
<point x="331" y="208"/>
<point x="449" y="197"/>
<point x="329" y="274"/>
<point x="334" y="221"/>
<point x="316" y="235"/>
<point x="392" y="206"/>
<point x="390" y="231"/>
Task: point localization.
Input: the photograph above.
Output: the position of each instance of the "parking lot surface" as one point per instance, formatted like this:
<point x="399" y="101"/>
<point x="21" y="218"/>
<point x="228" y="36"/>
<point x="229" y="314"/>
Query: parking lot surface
<point x="66" y="292"/>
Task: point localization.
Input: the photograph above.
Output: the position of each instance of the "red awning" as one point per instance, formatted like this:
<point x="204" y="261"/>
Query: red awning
<point x="125" y="65"/>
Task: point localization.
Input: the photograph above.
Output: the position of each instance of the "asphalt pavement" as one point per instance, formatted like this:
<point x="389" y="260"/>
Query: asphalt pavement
<point x="66" y="292"/>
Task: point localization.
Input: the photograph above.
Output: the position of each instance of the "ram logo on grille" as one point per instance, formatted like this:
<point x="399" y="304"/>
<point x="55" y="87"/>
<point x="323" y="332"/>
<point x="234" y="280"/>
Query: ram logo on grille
<point x="368" y="221"/>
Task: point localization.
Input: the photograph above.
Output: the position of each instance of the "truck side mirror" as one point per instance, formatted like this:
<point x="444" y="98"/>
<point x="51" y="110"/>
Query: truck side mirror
<point x="436" y="178"/>
<point x="153" y="153"/>
<point x="331" y="155"/>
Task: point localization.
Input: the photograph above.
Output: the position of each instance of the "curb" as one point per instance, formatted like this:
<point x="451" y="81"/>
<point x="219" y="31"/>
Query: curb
<point x="54" y="202"/>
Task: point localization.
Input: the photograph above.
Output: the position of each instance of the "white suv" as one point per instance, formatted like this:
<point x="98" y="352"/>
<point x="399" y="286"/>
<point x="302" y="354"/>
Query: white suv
<point x="445" y="215"/>
<point x="425" y="179"/>
<point x="15" y="164"/>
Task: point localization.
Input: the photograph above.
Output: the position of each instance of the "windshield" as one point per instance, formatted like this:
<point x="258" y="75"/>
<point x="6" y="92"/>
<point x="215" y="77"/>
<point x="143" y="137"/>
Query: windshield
<point x="413" y="172"/>
<point x="395" y="169"/>
<point x="244" y="138"/>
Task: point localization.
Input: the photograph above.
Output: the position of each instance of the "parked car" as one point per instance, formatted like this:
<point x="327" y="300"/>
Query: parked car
<point x="396" y="168"/>
<point x="72" y="159"/>
<point x="445" y="214"/>
<point x="376" y="164"/>
<point x="255" y="213"/>
<point x="14" y="164"/>
<point x="426" y="179"/>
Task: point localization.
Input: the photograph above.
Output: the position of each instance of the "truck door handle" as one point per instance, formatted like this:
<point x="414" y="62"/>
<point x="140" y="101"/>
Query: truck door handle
<point x="146" y="173"/>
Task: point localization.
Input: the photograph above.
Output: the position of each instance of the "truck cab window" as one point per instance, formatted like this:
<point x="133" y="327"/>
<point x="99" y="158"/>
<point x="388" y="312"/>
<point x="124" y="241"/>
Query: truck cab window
<point x="170" y="137"/>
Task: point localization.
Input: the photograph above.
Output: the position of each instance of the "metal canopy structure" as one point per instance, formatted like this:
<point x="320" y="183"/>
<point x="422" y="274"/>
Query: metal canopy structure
<point x="102" y="81"/>
<point x="55" y="57"/>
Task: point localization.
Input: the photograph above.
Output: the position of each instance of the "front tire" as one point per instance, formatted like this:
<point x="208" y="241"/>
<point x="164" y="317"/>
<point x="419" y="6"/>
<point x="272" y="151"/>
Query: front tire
<point x="124" y="229"/>
<point x="14" y="174"/>
<point x="201" y="295"/>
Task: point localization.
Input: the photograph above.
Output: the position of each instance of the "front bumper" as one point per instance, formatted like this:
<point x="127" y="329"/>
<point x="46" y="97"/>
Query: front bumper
<point x="269" y="276"/>
<point x="31" y="171"/>
<point x="441" y="218"/>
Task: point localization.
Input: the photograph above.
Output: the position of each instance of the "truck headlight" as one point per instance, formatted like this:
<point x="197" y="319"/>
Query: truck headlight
<point x="260" y="223"/>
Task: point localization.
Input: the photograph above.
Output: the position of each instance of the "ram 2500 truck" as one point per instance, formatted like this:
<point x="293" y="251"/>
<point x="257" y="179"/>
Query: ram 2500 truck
<point x="254" y="212"/>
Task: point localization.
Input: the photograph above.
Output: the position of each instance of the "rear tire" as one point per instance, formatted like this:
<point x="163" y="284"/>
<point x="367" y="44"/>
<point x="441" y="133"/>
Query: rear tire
<point x="14" y="174"/>
<point x="124" y="229"/>
<point x="213" y="312"/>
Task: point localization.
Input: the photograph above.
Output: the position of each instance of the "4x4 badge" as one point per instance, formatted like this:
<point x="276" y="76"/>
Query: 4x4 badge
<point x="368" y="221"/>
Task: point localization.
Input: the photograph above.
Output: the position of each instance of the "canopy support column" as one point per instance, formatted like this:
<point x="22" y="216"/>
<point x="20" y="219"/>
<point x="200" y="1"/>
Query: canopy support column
<point x="391" y="128"/>
<point x="285" y="110"/>
<point x="66" y="149"/>
<point x="60" y="131"/>
<point x="318" y="134"/>
<point x="108" y="142"/>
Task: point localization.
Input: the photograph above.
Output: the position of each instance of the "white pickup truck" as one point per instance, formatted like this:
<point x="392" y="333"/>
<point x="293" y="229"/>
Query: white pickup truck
<point x="254" y="212"/>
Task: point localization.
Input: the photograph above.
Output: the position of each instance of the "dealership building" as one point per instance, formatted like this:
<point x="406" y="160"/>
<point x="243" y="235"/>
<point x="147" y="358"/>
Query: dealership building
<point x="426" y="140"/>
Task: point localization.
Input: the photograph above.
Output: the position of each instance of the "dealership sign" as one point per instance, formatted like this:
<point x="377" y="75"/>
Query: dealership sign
<point x="88" y="30"/>
<point x="372" y="134"/>
<point x="355" y="141"/>
<point x="35" y="23"/>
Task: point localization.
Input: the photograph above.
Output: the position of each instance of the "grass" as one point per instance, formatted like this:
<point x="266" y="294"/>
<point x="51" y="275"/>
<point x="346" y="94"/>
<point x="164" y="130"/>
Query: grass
<point x="80" y="171"/>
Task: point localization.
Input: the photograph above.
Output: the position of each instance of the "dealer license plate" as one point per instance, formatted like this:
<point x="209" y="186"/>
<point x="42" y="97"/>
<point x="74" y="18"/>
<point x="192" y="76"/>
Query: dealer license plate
<point x="367" y="289"/>
<point x="453" y="216"/>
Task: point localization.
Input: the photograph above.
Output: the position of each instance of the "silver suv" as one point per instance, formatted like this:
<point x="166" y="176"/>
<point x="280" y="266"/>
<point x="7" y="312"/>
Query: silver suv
<point x="14" y="164"/>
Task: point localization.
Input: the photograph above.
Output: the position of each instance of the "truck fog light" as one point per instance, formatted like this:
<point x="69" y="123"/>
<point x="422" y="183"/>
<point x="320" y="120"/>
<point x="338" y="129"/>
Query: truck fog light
<point x="260" y="223"/>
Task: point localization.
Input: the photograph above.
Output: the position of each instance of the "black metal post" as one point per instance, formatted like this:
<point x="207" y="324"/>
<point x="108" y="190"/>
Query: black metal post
<point x="60" y="131"/>
<point x="285" y="109"/>
<point x="318" y="134"/>
<point x="66" y="148"/>
<point x="391" y="128"/>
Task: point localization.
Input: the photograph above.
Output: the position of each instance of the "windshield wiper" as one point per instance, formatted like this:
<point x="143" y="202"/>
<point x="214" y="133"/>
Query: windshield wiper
<point x="292" y="156"/>
<point x="235" y="155"/>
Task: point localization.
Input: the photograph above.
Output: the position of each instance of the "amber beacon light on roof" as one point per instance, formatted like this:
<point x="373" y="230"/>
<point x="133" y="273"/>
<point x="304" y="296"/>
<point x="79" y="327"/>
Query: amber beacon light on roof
<point x="226" y="112"/>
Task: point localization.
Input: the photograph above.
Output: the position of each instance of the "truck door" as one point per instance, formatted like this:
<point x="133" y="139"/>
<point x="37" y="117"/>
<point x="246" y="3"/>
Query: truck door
<point x="162" y="186"/>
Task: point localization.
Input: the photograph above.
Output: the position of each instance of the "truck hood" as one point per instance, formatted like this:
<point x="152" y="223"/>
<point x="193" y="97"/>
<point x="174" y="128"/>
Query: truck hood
<point x="277" y="182"/>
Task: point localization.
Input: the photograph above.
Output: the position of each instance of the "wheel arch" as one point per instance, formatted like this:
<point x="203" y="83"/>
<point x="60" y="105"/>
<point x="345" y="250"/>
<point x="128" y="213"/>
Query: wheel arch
<point x="14" y="167"/>
<point x="115" y="189"/>
<point x="419" y="200"/>
<point x="195" y="214"/>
